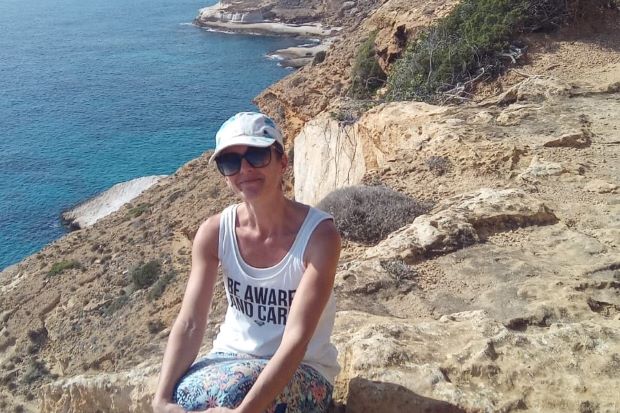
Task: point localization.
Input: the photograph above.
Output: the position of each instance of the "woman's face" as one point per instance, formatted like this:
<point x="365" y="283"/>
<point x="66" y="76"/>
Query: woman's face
<point x="255" y="183"/>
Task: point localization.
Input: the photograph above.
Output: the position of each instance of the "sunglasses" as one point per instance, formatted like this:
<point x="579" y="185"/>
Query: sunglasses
<point x="230" y="163"/>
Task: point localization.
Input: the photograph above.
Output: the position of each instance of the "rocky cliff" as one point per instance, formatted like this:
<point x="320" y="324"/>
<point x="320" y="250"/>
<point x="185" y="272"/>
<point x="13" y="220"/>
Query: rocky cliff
<point x="504" y="297"/>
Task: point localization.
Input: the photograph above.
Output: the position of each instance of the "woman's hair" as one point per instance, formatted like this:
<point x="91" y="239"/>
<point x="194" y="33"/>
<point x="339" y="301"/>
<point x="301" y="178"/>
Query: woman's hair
<point x="279" y="150"/>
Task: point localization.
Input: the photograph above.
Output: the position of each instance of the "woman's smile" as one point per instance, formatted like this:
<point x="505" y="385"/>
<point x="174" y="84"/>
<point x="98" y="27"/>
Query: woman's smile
<point x="249" y="180"/>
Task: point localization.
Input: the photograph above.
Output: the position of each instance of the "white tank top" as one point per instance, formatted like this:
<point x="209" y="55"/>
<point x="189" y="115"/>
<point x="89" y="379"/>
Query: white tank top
<point x="259" y="299"/>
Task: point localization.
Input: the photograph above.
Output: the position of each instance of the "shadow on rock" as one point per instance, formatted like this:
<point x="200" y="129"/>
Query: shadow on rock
<point x="366" y="396"/>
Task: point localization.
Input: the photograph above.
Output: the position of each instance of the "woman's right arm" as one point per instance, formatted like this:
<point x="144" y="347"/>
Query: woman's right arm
<point x="188" y="329"/>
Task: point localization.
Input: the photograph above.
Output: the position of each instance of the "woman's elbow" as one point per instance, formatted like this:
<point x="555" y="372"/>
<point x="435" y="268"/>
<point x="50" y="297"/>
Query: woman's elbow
<point x="186" y="327"/>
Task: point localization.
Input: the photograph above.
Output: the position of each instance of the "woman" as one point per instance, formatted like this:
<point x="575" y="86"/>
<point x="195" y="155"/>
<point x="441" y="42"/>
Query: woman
<point x="273" y="352"/>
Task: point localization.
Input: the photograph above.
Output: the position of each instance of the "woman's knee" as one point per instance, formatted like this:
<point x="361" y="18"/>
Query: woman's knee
<point x="223" y="384"/>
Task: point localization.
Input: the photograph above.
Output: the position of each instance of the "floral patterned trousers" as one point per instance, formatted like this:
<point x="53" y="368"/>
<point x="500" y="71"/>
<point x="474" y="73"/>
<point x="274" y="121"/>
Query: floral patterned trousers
<point x="223" y="379"/>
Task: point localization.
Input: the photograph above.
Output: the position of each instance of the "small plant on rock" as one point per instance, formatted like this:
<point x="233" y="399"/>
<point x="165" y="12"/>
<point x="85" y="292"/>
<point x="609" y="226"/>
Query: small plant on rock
<point x="143" y="276"/>
<point x="367" y="75"/>
<point x="160" y="286"/>
<point x="155" y="326"/>
<point x="35" y="371"/>
<point x="398" y="269"/>
<point x="61" y="266"/>
<point x="139" y="210"/>
<point x="115" y="305"/>
<point x="438" y="165"/>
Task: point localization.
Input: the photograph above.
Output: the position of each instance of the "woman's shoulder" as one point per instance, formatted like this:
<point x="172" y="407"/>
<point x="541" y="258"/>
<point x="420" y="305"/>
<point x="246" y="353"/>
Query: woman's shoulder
<point x="208" y="231"/>
<point x="323" y="228"/>
<point x="320" y="213"/>
<point x="205" y="241"/>
<point x="211" y="225"/>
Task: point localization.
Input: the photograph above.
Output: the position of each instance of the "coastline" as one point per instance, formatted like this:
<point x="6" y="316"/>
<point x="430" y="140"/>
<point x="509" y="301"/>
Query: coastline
<point x="270" y="28"/>
<point x="293" y="57"/>
<point x="299" y="56"/>
<point x="90" y="211"/>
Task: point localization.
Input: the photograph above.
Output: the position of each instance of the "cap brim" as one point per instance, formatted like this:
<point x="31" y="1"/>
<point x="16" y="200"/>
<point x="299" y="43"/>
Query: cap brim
<point x="257" y="141"/>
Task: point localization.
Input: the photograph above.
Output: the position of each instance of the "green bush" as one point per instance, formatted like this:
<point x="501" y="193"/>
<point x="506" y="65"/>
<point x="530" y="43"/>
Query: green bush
<point x="366" y="74"/>
<point x="160" y="286"/>
<point x="455" y="49"/>
<point x="35" y="371"/>
<point x="368" y="214"/>
<point x="61" y="266"/>
<point x="139" y="209"/>
<point x="473" y="42"/>
<point x="143" y="276"/>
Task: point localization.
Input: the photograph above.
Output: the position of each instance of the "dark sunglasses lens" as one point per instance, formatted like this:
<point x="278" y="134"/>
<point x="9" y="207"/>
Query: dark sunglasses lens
<point x="228" y="163"/>
<point x="258" y="157"/>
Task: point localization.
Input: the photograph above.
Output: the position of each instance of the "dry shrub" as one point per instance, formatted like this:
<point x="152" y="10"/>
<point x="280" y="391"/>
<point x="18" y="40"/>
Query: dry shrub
<point x="438" y="165"/>
<point x="144" y="276"/>
<point x="368" y="214"/>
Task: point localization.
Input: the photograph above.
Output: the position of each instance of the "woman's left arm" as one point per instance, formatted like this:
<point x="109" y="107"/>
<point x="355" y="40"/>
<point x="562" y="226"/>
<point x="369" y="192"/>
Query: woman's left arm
<point x="321" y="256"/>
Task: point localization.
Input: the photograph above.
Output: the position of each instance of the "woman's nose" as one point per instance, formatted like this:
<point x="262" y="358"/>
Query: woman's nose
<point x="245" y="165"/>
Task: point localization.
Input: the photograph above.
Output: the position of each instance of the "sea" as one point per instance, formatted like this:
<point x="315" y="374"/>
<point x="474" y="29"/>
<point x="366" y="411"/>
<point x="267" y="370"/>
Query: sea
<point x="97" y="92"/>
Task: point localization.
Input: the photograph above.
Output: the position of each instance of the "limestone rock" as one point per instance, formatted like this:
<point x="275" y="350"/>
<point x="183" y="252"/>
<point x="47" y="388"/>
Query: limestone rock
<point x="463" y="220"/>
<point x="331" y="154"/>
<point x="539" y="168"/>
<point x="327" y="156"/>
<point x="468" y="362"/>
<point x="534" y="89"/>
<point x="579" y="139"/>
<point x="600" y="186"/>
<point x="226" y="13"/>
<point x="347" y="5"/>
<point x="107" y="392"/>
<point x="368" y="277"/>
<point x="89" y="212"/>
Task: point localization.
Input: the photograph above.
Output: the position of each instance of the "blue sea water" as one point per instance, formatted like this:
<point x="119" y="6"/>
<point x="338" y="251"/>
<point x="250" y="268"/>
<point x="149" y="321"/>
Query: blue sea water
<point x="96" y="92"/>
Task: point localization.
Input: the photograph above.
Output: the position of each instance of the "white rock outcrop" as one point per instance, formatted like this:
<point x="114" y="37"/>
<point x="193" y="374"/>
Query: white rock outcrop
<point x="463" y="220"/>
<point x="539" y="168"/>
<point x="89" y="212"/>
<point x="225" y="13"/>
<point x="331" y="154"/>
<point x="327" y="156"/>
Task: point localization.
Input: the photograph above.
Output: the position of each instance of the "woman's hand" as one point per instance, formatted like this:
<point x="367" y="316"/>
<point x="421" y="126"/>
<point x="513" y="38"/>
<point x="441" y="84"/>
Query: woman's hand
<point x="165" y="406"/>
<point x="220" y="410"/>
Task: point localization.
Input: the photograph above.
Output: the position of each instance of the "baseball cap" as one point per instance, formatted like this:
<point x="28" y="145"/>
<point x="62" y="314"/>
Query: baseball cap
<point x="247" y="128"/>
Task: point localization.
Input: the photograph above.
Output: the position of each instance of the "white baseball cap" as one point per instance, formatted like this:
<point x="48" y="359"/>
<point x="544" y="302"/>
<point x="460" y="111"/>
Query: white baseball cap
<point x="247" y="128"/>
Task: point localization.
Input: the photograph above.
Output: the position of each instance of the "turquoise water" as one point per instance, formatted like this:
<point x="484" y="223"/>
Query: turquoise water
<point x="96" y="92"/>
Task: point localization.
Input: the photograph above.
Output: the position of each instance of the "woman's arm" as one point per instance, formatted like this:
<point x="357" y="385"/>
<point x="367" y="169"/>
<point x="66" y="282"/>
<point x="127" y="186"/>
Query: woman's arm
<point x="321" y="256"/>
<point x="188" y="329"/>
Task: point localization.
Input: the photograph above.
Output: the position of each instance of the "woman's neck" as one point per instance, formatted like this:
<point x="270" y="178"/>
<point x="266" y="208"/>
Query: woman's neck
<point x="269" y="217"/>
